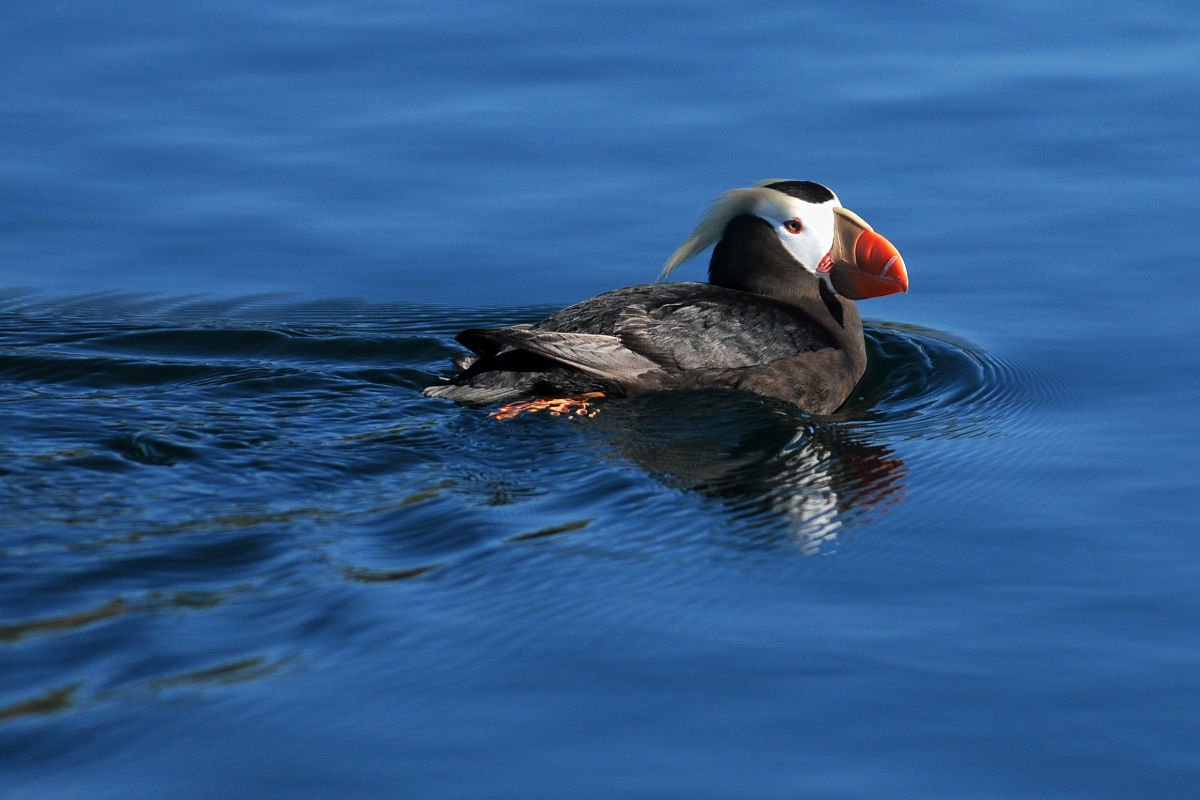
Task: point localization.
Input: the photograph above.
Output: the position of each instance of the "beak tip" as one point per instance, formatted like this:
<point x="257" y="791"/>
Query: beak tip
<point x="877" y="269"/>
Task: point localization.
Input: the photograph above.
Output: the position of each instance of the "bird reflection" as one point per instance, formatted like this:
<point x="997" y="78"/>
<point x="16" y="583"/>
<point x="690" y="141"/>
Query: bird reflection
<point x="758" y="457"/>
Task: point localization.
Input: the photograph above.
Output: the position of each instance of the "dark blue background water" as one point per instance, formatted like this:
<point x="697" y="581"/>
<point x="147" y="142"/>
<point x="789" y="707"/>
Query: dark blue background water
<point x="240" y="555"/>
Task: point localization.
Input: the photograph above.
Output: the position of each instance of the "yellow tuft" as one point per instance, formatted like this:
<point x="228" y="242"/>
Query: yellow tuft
<point x="733" y="203"/>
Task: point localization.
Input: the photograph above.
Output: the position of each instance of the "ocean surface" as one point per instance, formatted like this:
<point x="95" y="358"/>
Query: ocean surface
<point x="242" y="556"/>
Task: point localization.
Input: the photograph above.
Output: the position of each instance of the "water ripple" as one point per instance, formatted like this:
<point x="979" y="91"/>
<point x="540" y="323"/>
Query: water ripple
<point x="135" y="422"/>
<point x="923" y="383"/>
<point x="324" y="395"/>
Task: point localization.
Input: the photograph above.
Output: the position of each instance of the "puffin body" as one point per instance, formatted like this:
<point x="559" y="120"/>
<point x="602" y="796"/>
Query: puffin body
<point x="776" y="318"/>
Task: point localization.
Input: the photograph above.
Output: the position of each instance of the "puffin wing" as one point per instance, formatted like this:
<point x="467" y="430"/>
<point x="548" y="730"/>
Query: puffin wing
<point x="641" y="337"/>
<point x="704" y="334"/>
<point x="601" y="355"/>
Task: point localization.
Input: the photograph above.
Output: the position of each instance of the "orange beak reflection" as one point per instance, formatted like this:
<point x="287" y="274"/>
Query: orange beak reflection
<point x="864" y="264"/>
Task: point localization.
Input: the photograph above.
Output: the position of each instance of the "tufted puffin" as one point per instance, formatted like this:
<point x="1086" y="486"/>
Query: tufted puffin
<point x="776" y="317"/>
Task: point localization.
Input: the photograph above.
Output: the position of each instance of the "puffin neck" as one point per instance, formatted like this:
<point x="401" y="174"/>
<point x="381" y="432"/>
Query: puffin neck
<point x="750" y="258"/>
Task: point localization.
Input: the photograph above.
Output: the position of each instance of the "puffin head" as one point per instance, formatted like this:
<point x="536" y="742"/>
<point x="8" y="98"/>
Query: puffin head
<point x="817" y="235"/>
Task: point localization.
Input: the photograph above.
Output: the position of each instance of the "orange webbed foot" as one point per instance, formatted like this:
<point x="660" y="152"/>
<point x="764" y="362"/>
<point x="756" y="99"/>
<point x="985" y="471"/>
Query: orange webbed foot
<point x="577" y="406"/>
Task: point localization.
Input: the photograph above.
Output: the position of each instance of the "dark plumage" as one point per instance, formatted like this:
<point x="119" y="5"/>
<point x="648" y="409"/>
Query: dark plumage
<point x="765" y="322"/>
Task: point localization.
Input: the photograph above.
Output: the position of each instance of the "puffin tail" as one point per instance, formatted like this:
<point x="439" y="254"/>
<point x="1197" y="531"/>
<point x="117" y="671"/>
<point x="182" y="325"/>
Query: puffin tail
<point x="473" y="395"/>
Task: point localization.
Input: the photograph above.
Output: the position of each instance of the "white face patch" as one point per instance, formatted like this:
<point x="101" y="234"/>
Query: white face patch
<point x="805" y="229"/>
<point x="808" y="241"/>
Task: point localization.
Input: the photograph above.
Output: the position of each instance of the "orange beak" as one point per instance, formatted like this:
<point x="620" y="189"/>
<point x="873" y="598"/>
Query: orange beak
<point x="862" y="263"/>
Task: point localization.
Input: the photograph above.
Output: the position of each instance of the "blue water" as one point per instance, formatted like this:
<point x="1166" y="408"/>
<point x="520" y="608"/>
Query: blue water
<point x="240" y="555"/>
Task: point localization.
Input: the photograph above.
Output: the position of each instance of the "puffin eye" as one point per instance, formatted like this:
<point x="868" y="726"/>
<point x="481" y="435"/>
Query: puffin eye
<point x="793" y="225"/>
